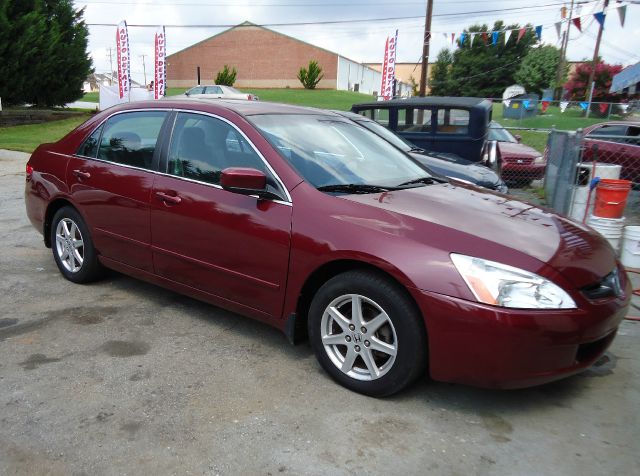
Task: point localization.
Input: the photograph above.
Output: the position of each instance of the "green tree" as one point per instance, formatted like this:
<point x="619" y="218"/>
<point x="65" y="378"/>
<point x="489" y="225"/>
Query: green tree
<point x="538" y="69"/>
<point x="227" y="76"/>
<point x="485" y="70"/>
<point x="43" y="52"/>
<point x="440" y="81"/>
<point x="310" y="76"/>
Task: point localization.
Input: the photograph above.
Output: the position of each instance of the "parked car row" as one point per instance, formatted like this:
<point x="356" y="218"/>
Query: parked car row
<point x="318" y="226"/>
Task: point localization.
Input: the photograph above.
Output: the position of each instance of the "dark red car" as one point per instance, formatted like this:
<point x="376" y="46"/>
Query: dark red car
<point x="520" y="163"/>
<point x="304" y="220"/>
<point x="615" y="143"/>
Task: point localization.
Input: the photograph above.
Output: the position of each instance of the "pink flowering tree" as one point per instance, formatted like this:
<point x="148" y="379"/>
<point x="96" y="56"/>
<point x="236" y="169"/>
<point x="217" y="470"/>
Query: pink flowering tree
<point x="578" y="89"/>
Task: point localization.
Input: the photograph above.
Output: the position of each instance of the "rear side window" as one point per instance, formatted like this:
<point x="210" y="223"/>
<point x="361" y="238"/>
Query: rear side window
<point x="381" y="116"/>
<point x="213" y="90"/>
<point x="414" y="119"/>
<point x="130" y="138"/>
<point x="89" y="147"/>
<point x="609" y="130"/>
<point x="453" y="121"/>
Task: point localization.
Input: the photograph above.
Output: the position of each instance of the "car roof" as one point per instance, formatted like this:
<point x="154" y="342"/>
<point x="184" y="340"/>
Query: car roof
<point x="352" y="115"/>
<point x="431" y="101"/>
<point x="241" y="106"/>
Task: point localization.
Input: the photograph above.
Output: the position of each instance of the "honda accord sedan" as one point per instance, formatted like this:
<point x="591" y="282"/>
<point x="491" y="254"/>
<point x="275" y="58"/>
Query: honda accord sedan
<point x="306" y="221"/>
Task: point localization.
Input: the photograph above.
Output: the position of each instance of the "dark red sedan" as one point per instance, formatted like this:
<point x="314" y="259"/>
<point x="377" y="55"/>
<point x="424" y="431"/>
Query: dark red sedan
<point x="315" y="225"/>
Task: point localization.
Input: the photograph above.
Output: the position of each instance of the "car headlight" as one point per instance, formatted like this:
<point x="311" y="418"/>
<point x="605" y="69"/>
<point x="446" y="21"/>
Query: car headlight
<point x="502" y="285"/>
<point x="539" y="160"/>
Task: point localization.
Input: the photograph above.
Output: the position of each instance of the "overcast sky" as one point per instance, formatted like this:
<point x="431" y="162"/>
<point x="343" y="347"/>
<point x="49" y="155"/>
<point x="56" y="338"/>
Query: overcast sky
<point x="359" y="41"/>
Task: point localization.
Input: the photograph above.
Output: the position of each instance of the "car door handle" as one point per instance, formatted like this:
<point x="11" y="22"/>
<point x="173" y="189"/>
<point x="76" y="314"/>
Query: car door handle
<point x="168" y="198"/>
<point x="81" y="175"/>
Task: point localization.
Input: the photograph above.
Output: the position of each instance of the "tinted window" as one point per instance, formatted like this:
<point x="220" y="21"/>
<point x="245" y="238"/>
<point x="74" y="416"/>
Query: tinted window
<point x="609" y="130"/>
<point x="202" y="146"/>
<point x="453" y="121"/>
<point x="130" y="138"/>
<point x="89" y="147"/>
<point x="633" y="135"/>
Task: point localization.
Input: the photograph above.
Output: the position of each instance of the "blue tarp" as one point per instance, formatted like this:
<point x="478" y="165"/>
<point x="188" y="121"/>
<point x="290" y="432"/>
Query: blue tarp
<point x="625" y="78"/>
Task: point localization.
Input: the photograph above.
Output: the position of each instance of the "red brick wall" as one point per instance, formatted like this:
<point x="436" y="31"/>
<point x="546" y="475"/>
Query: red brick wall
<point x="263" y="58"/>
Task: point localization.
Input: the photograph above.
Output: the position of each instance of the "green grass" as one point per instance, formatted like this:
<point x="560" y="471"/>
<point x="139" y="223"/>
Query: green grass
<point x="91" y="97"/>
<point x="27" y="137"/>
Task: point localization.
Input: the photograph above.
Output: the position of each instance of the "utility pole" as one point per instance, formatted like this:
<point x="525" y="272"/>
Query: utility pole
<point x="425" y="48"/>
<point x="144" y="70"/>
<point x="563" y="49"/>
<point x="594" y="63"/>
<point x="110" y="66"/>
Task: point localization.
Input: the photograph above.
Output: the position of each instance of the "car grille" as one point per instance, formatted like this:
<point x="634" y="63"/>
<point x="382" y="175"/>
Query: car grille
<point x="609" y="286"/>
<point x="519" y="160"/>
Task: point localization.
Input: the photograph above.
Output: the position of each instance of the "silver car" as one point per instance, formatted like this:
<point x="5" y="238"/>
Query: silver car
<point x="220" y="92"/>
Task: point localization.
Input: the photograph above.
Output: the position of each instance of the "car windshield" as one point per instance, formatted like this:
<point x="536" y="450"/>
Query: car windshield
<point x="387" y="135"/>
<point x="499" y="133"/>
<point x="328" y="151"/>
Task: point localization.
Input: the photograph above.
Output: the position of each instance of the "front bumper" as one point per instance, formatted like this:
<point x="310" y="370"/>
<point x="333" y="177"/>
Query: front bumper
<point x="511" y="170"/>
<point x="488" y="346"/>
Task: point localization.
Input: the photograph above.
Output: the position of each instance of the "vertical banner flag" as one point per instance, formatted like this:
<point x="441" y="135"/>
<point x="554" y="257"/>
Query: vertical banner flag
<point x="124" y="74"/>
<point x="160" y="75"/>
<point x="389" y="69"/>
<point x="393" y="76"/>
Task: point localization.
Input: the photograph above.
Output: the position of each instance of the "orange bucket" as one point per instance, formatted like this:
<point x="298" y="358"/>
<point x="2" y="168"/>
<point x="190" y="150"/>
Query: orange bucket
<point x="611" y="198"/>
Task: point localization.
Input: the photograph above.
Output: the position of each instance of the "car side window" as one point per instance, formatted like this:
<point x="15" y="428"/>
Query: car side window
<point x="414" y="119"/>
<point x="213" y="90"/>
<point x="453" y="121"/>
<point x="633" y="135"/>
<point x="130" y="138"/>
<point x="381" y="116"/>
<point x="202" y="146"/>
<point x="609" y="130"/>
<point x="89" y="147"/>
<point x="196" y="90"/>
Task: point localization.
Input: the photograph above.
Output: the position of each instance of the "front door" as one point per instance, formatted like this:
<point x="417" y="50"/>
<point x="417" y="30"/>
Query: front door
<point x="232" y="246"/>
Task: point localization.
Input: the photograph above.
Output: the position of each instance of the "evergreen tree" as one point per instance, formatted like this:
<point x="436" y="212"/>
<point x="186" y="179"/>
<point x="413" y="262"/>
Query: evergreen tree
<point x="538" y="69"/>
<point x="439" y="82"/>
<point x="485" y="70"/>
<point x="43" y="52"/>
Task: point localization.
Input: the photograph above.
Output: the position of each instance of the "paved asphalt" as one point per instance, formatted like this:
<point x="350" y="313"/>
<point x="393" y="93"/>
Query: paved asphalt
<point x="122" y="377"/>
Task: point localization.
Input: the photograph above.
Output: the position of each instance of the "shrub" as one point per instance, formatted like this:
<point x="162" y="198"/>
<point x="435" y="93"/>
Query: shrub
<point x="311" y="76"/>
<point x="227" y="76"/>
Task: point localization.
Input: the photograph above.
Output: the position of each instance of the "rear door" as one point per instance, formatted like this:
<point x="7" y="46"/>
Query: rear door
<point x="110" y="180"/>
<point x="232" y="246"/>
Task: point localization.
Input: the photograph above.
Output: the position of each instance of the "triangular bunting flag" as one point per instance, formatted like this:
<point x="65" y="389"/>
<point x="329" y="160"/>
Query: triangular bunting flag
<point x="494" y="37"/>
<point x="584" y="105"/>
<point x="563" y="105"/>
<point x="462" y="37"/>
<point x="603" y="107"/>
<point x="526" y="103"/>
<point x="558" y="28"/>
<point x="484" y="37"/>
<point x="600" y="16"/>
<point x="576" y="22"/>
<point x="507" y="102"/>
<point x="453" y="37"/>
<point x="622" y="12"/>
<point x="563" y="12"/>
<point x="545" y="105"/>
<point x="446" y="35"/>
<point x="539" y="32"/>
<point x="624" y="108"/>
<point x="521" y="33"/>
<point x="507" y="35"/>
<point x="472" y="36"/>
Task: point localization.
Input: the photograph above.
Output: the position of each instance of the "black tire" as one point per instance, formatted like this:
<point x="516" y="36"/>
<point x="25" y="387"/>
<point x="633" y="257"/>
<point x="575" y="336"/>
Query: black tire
<point x="89" y="269"/>
<point x="406" y="332"/>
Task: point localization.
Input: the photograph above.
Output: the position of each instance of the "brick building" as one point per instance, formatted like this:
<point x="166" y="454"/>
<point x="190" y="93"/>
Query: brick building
<point x="266" y="59"/>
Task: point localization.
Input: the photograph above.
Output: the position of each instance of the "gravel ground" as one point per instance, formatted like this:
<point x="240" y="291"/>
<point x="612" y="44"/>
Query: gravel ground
<point x="121" y="377"/>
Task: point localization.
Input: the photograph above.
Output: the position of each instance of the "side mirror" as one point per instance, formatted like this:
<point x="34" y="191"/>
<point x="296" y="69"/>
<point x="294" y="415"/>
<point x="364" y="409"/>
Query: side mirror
<point x="518" y="138"/>
<point x="187" y="93"/>
<point x="244" y="181"/>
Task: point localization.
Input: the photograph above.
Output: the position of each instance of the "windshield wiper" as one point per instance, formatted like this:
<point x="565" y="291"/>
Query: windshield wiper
<point x="418" y="150"/>
<point x="425" y="180"/>
<point x="355" y="188"/>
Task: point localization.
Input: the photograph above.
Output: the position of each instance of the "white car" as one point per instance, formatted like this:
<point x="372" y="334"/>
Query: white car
<point x="220" y="92"/>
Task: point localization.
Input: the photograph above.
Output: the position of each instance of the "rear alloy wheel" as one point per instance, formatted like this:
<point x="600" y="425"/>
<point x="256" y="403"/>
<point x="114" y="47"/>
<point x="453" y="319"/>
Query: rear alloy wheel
<point x="72" y="247"/>
<point x="367" y="334"/>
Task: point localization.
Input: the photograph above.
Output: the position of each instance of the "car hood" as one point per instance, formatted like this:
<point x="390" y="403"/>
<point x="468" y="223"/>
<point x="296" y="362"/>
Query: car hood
<point x="510" y="150"/>
<point x="464" y="170"/>
<point x="495" y="227"/>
